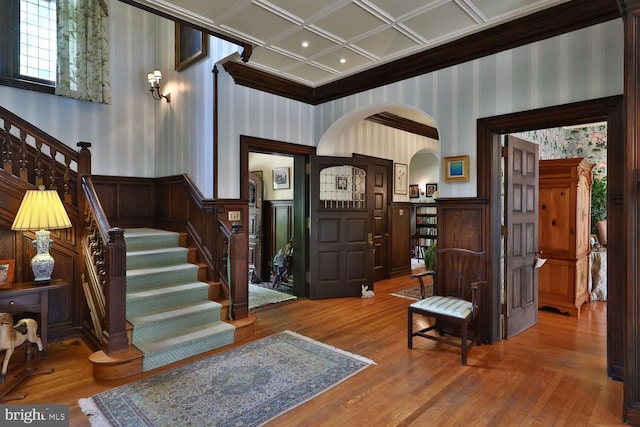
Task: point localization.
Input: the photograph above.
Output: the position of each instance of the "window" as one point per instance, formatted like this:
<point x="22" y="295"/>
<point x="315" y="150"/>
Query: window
<point x="28" y="45"/>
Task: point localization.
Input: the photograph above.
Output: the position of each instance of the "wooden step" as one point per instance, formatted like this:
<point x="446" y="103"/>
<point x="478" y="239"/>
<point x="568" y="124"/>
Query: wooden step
<point x="116" y="366"/>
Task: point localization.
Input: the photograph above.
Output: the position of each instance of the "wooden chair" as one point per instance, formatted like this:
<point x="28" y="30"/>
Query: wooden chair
<point x="455" y="303"/>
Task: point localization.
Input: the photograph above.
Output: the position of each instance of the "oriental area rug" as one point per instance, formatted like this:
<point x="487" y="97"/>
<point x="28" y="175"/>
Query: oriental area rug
<point x="248" y="385"/>
<point x="414" y="293"/>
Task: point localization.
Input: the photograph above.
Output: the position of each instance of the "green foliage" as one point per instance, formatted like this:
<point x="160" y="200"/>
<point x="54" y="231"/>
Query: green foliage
<point x="430" y="257"/>
<point x="598" y="202"/>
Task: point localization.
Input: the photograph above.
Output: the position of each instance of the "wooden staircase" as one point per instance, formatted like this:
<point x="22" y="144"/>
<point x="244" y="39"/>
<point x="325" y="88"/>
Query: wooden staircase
<point x="172" y="311"/>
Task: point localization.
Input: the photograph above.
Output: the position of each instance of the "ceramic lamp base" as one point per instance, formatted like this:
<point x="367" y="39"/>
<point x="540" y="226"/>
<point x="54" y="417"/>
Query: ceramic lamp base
<point x="42" y="263"/>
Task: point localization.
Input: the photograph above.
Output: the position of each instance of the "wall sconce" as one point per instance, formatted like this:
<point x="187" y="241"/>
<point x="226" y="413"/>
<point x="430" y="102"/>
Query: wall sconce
<point x="40" y="211"/>
<point x="154" y="80"/>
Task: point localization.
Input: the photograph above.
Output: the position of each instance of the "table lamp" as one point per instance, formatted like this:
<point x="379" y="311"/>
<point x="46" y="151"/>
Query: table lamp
<point x="40" y="211"/>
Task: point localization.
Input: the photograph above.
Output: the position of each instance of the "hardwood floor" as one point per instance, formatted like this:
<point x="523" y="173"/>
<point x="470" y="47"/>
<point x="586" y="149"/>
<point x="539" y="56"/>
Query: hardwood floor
<point x="553" y="373"/>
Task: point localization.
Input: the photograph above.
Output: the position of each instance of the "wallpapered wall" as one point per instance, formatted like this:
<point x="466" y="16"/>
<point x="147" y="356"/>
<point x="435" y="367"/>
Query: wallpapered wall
<point x="584" y="64"/>
<point x="589" y="142"/>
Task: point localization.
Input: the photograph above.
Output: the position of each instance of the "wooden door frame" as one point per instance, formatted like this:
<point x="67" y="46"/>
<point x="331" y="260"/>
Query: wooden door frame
<point x="489" y="129"/>
<point x="301" y="155"/>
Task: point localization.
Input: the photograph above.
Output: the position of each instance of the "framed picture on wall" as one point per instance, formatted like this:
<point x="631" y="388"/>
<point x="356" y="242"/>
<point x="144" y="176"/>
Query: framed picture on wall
<point x="6" y="273"/>
<point x="430" y="189"/>
<point x="456" y="168"/>
<point x="400" y="178"/>
<point x="191" y="45"/>
<point x="342" y="182"/>
<point x="414" y="191"/>
<point x="281" y="179"/>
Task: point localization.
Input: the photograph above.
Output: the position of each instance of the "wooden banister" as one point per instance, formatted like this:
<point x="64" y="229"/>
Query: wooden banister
<point x="40" y="159"/>
<point x="109" y="265"/>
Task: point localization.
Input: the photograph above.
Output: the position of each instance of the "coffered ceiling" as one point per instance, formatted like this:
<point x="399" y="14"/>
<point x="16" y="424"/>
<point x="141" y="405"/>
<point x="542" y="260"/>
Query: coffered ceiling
<point x="343" y="37"/>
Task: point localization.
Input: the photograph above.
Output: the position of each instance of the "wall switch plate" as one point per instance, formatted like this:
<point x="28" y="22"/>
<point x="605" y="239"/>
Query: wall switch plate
<point x="234" y="215"/>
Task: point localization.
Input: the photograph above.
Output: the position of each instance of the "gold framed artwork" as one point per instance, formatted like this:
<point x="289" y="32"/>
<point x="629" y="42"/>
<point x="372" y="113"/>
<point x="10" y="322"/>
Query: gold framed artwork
<point x="400" y="178"/>
<point x="191" y="46"/>
<point x="7" y="267"/>
<point x="456" y="169"/>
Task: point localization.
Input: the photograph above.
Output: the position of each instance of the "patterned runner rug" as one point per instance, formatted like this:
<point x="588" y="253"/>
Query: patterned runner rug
<point x="248" y="385"/>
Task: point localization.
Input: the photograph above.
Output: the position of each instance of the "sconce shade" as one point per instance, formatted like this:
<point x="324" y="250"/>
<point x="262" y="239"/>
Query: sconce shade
<point x="154" y="78"/>
<point x="41" y="209"/>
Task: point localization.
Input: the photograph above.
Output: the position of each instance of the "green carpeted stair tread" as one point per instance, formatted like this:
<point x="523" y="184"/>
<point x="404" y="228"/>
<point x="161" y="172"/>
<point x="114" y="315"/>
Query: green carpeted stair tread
<point x="158" y="277"/>
<point x="178" y="318"/>
<point x="138" y="239"/>
<point x="156" y="257"/>
<point x="153" y="300"/>
<point x="196" y="340"/>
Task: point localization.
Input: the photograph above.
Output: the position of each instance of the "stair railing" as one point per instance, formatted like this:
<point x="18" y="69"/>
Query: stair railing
<point x="106" y="264"/>
<point x="233" y="267"/>
<point x="40" y="159"/>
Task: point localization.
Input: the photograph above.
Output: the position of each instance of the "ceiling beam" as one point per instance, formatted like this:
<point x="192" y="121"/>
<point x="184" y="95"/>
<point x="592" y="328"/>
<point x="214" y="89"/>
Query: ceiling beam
<point x="401" y="123"/>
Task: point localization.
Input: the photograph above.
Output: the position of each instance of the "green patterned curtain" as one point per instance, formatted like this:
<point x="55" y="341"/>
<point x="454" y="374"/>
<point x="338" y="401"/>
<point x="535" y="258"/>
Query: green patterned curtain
<point x="83" y="50"/>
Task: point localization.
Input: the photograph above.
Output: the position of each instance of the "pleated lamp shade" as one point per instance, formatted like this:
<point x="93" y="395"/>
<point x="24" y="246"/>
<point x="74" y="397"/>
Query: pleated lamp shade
<point x="41" y="210"/>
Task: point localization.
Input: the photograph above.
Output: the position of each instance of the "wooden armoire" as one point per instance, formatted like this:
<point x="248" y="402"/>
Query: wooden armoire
<point x="564" y="226"/>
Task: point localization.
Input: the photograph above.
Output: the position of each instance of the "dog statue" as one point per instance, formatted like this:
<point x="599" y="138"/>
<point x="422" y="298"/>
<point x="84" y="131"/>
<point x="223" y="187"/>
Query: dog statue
<point x="366" y="293"/>
<point x="12" y="336"/>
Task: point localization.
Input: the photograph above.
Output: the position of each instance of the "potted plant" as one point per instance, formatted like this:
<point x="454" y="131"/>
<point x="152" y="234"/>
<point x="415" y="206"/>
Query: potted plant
<point x="430" y="257"/>
<point x="598" y="202"/>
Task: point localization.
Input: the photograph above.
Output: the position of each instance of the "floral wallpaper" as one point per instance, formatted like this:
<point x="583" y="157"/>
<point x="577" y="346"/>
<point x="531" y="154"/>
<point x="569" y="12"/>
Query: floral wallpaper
<point x="558" y="143"/>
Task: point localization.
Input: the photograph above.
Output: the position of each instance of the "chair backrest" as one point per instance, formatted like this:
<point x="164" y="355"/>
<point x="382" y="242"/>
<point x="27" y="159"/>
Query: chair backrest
<point x="456" y="269"/>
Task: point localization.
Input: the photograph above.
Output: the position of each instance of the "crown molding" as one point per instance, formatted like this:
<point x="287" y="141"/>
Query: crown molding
<point x="566" y="17"/>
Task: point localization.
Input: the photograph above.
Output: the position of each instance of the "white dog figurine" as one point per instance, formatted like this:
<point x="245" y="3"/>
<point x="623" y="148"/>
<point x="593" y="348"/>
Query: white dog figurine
<point x="366" y="293"/>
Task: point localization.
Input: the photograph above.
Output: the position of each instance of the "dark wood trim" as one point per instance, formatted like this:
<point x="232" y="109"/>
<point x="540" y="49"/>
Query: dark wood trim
<point x="631" y="19"/>
<point x="301" y="156"/>
<point x="247" y="48"/>
<point x="489" y="184"/>
<point x="215" y="131"/>
<point x="401" y="123"/>
<point x="547" y="23"/>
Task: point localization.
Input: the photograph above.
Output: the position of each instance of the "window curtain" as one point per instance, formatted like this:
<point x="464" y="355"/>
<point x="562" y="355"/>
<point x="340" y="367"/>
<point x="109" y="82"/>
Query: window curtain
<point x="83" y="50"/>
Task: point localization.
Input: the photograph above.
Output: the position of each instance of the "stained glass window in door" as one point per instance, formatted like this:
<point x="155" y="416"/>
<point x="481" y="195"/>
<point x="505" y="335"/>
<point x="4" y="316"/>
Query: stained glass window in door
<point x="343" y="187"/>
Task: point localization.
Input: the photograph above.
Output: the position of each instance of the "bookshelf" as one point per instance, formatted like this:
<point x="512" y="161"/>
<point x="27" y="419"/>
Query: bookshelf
<point x="426" y="227"/>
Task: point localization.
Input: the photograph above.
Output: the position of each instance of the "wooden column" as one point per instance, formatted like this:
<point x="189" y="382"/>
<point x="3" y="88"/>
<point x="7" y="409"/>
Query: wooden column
<point x="631" y="18"/>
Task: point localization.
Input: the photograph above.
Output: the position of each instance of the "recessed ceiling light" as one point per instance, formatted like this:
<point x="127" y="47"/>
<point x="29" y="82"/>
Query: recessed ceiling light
<point x="305" y="44"/>
<point x="342" y="60"/>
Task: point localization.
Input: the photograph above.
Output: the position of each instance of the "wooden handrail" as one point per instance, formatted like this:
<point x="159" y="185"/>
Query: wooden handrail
<point x="109" y="261"/>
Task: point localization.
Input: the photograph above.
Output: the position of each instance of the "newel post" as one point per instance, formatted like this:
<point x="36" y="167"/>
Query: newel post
<point x="84" y="168"/>
<point x="114" y="332"/>
<point x="239" y="274"/>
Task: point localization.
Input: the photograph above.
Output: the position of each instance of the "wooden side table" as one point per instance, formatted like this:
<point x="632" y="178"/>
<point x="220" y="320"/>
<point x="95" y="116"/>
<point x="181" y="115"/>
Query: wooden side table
<point x="27" y="297"/>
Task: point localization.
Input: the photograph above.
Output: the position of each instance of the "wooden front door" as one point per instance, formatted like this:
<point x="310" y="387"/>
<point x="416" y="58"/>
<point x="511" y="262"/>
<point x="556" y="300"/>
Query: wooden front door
<point x="254" y="232"/>
<point x="521" y="243"/>
<point x="341" y="246"/>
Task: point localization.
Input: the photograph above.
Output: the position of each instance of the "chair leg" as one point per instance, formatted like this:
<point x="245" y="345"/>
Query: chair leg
<point x="463" y="335"/>
<point x="410" y="329"/>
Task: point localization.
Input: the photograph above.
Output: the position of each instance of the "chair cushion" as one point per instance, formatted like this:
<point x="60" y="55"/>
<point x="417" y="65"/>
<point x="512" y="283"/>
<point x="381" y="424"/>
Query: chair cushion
<point x="449" y="306"/>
